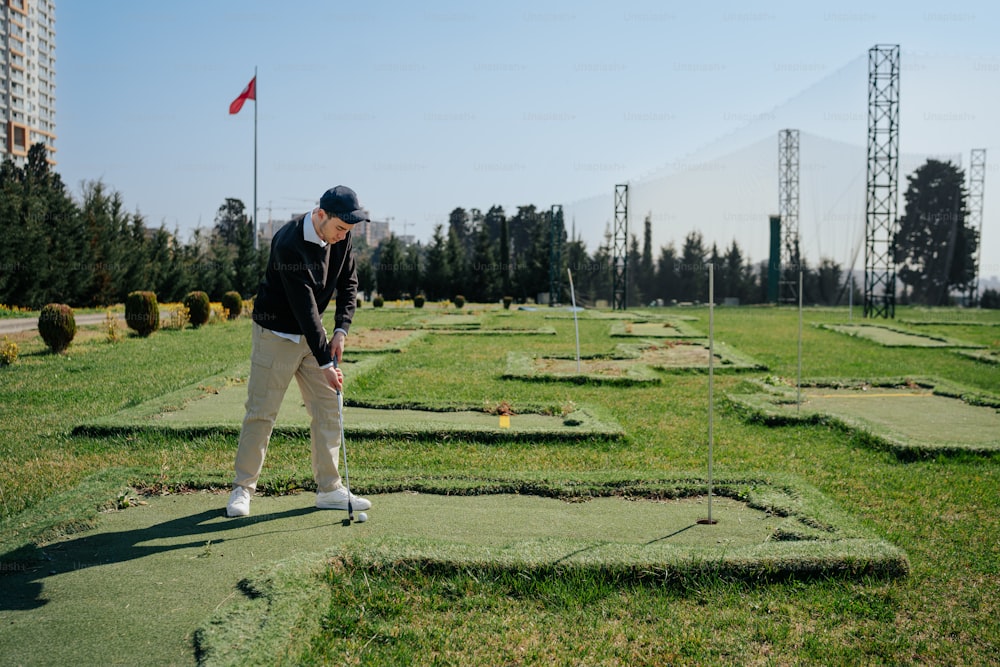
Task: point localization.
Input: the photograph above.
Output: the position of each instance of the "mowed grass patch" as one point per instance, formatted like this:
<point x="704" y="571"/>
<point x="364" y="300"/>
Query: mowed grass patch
<point x="912" y="418"/>
<point x="381" y="340"/>
<point x="201" y="564"/>
<point x="943" y="511"/>
<point x="895" y="337"/>
<point x="674" y="328"/>
<point x="215" y="405"/>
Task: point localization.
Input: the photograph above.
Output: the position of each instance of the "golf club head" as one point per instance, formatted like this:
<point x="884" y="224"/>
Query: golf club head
<point x="347" y="522"/>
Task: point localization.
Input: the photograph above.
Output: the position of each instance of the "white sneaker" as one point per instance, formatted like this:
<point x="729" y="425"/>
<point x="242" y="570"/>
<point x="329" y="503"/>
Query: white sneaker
<point x="337" y="500"/>
<point x="239" y="502"/>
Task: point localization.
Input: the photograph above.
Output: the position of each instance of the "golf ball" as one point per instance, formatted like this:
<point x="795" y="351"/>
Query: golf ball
<point x="361" y="517"/>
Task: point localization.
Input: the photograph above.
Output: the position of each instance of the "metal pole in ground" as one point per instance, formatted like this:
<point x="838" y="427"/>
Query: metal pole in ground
<point x="576" y="325"/>
<point x="798" y="382"/>
<point x="711" y="378"/>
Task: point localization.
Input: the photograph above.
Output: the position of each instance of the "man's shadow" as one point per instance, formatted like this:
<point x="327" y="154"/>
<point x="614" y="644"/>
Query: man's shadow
<point x="23" y="571"/>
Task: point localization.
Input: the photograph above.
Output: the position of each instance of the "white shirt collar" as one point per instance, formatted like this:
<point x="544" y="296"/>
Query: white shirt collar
<point x="309" y="231"/>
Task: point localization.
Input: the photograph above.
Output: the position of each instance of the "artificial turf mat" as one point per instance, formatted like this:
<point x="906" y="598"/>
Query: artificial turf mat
<point x="911" y="418"/>
<point x="174" y="576"/>
<point x="890" y="337"/>
<point x="656" y="329"/>
<point x="217" y="405"/>
<point x="631" y="363"/>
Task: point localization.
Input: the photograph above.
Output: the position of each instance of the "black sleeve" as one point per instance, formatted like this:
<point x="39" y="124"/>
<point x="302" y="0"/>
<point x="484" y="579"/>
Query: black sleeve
<point x="347" y="289"/>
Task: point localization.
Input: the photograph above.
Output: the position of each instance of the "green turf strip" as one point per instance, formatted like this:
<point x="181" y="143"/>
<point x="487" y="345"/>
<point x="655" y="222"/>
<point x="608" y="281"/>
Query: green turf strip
<point x="891" y="337"/>
<point x="656" y="329"/>
<point x="912" y="419"/>
<point x="237" y="590"/>
<point x="217" y="405"/>
<point x="631" y="363"/>
<point x="985" y="356"/>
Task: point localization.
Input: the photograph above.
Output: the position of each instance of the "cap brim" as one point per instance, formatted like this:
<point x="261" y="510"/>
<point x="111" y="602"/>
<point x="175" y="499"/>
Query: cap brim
<point x="354" y="217"/>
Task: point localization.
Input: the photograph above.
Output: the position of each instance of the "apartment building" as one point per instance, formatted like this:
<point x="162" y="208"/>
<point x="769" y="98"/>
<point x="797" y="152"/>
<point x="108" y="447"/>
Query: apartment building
<point x="27" y="77"/>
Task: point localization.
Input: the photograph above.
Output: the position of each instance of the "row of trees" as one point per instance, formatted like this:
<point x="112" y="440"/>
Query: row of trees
<point x="94" y="252"/>
<point x="488" y="256"/>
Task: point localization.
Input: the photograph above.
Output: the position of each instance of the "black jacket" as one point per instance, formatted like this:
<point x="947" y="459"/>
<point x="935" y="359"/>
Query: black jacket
<point x="300" y="281"/>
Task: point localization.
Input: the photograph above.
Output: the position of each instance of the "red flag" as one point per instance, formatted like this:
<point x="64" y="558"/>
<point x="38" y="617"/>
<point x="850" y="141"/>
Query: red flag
<point x="249" y="93"/>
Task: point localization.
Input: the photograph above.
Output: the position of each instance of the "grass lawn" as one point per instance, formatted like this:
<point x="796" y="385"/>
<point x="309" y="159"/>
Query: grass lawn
<point x="942" y="511"/>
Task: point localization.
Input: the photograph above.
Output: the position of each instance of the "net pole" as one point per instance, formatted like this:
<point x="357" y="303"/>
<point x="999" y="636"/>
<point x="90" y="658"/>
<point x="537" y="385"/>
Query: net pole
<point x="576" y="324"/>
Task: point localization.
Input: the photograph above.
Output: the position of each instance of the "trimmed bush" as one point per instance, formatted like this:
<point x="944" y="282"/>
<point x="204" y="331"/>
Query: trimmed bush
<point x="233" y="302"/>
<point x="57" y="326"/>
<point x="459" y="300"/>
<point x="418" y="301"/>
<point x="199" y="307"/>
<point x="377" y="302"/>
<point x="142" y="312"/>
<point x="507" y="300"/>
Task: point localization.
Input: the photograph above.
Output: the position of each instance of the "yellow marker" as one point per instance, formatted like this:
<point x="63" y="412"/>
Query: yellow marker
<point x="504" y="421"/>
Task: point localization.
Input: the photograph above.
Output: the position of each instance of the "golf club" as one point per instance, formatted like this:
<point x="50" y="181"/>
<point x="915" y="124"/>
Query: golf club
<point x="343" y="448"/>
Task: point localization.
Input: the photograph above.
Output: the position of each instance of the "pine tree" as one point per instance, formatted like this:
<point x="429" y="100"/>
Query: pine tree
<point x="437" y="277"/>
<point x="934" y="247"/>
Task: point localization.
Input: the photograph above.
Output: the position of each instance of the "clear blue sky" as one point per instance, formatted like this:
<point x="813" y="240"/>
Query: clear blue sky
<point x="423" y="107"/>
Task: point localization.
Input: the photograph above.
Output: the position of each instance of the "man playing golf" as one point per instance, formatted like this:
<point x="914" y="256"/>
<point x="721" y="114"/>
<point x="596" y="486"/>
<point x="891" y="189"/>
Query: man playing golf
<point x="312" y="258"/>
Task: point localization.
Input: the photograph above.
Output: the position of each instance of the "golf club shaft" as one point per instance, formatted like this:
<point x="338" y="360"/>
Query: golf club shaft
<point x="343" y="448"/>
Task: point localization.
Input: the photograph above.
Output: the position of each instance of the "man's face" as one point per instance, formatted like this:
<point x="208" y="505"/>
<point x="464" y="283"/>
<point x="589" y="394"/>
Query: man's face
<point x="333" y="229"/>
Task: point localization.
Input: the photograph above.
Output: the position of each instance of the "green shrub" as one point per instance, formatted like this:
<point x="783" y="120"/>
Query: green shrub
<point x="233" y="303"/>
<point x="418" y="301"/>
<point x="8" y="352"/>
<point x="377" y="302"/>
<point x="459" y="300"/>
<point x="57" y="326"/>
<point x="507" y="300"/>
<point x="199" y="307"/>
<point x="142" y="312"/>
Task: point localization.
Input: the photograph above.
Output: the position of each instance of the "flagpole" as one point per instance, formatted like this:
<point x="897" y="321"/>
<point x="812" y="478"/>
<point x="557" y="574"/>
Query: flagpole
<point x="256" y="229"/>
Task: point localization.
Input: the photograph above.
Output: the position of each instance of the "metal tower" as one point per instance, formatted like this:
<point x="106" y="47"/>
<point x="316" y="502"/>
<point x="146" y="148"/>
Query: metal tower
<point x="977" y="184"/>
<point x="883" y="181"/>
<point x="788" y="209"/>
<point x="555" y="255"/>
<point x="619" y="257"/>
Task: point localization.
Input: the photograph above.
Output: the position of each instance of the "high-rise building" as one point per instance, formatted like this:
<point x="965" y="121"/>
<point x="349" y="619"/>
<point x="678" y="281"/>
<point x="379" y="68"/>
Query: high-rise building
<point x="27" y="77"/>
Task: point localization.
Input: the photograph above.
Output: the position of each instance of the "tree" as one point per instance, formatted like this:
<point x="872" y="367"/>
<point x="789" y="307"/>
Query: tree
<point x="579" y="264"/>
<point x="459" y="225"/>
<point x="600" y="284"/>
<point x="437" y="277"/>
<point x="667" y="280"/>
<point x="411" y="273"/>
<point x="230" y="219"/>
<point x="632" y="295"/>
<point x="645" y="271"/>
<point x="389" y="269"/>
<point x="249" y="269"/>
<point x="104" y="225"/>
<point x="531" y="275"/>
<point x="828" y="282"/>
<point x="456" y="260"/>
<point x="366" y="277"/>
<point x="934" y="248"/>
<point x="505" y="257"/>
<point x="484" y="273"/>
<point x="692" y="278"/>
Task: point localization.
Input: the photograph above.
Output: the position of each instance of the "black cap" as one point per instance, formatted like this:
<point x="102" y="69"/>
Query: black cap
<point x="342" y="202"/>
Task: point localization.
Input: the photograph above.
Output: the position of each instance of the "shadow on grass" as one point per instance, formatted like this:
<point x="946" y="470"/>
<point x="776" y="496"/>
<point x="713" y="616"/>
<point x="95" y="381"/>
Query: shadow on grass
<point x="25" y="569"/>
